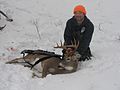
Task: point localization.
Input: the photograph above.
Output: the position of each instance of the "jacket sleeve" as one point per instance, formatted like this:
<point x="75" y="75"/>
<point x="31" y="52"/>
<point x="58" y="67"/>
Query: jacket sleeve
<point x="84" y="44"/>
<point x="68" y="33"/>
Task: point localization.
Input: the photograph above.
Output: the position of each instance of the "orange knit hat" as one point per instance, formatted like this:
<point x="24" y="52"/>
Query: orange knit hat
<point x="80" y="8"/>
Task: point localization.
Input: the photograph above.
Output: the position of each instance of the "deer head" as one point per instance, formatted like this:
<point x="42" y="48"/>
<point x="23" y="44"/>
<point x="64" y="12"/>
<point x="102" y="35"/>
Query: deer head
<point x="70" y="56"/>
<point x="68" y="50"/>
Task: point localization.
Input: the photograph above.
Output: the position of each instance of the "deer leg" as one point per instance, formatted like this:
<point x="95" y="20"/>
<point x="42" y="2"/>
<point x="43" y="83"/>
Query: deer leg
<point x="37" y="71"/>
<point x="17" y="60"/>
<point x="36" y="74"/>
<point x="44" y="72"/>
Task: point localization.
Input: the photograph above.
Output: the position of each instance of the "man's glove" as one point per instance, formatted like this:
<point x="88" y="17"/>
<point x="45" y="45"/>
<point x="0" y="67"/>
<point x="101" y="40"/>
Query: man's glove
<point x="85" y="57"/>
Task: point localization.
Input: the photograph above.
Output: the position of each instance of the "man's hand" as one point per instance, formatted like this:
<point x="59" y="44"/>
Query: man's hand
<point x="85" y="57"/>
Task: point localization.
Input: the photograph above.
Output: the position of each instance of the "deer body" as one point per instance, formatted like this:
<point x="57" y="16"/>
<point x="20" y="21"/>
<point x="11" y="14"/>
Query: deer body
<point x="53" y="65"/>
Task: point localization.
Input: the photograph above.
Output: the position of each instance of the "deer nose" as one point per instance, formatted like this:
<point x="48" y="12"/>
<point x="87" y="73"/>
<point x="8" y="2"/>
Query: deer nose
<point x="68" y="59"/>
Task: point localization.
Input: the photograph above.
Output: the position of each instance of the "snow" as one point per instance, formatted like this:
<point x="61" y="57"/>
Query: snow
<point x="50" y="16"/>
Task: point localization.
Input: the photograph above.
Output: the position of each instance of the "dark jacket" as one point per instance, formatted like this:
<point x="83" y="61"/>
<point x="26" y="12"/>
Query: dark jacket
<point x="82" y="33"/>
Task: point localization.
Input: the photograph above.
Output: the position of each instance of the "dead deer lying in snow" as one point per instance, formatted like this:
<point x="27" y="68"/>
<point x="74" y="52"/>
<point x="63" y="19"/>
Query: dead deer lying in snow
<point x="51" y="63"/>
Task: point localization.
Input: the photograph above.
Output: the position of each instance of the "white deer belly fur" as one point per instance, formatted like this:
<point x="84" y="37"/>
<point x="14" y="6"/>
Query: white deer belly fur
<point x="69" y="68"/>
<point x="37" y="67"/>
<point x="37" y="70"/>
<point x="66" y="67"/>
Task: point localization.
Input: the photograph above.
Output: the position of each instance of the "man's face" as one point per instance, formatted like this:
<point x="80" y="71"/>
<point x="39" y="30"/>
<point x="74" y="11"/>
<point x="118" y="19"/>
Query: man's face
<point x="79" y="16"/>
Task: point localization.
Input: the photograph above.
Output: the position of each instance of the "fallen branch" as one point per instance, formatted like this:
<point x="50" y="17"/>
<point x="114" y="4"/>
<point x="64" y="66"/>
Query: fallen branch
<point x="1" y="28"/>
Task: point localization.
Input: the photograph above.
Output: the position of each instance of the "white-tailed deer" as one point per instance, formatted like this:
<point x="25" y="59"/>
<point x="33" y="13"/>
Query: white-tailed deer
<point x="52" y="63"/>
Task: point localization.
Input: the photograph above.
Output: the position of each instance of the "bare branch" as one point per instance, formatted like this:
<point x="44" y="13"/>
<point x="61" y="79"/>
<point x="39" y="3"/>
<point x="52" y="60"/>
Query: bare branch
<point x="35" y="22"/>
<point x="100" y="27"/>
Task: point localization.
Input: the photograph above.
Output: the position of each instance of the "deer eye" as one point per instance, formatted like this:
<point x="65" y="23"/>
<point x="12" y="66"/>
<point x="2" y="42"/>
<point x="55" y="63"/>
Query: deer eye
<point x="68" y="59"/>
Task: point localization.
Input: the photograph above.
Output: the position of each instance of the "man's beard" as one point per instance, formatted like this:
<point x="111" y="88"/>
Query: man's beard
<point x="79" y="19"/>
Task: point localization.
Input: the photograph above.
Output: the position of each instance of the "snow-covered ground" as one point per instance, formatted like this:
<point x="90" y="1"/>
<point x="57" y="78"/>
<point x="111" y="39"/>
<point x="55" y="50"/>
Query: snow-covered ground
<point x="50" y="16"/>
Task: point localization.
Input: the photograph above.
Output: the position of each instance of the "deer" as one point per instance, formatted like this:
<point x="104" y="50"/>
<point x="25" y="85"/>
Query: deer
<point x="51" y="64"/>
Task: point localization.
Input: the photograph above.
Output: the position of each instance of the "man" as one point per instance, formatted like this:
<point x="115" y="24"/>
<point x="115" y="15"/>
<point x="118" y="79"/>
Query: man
<point x="8" y="19"/>
<point x="80" y="28"/>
